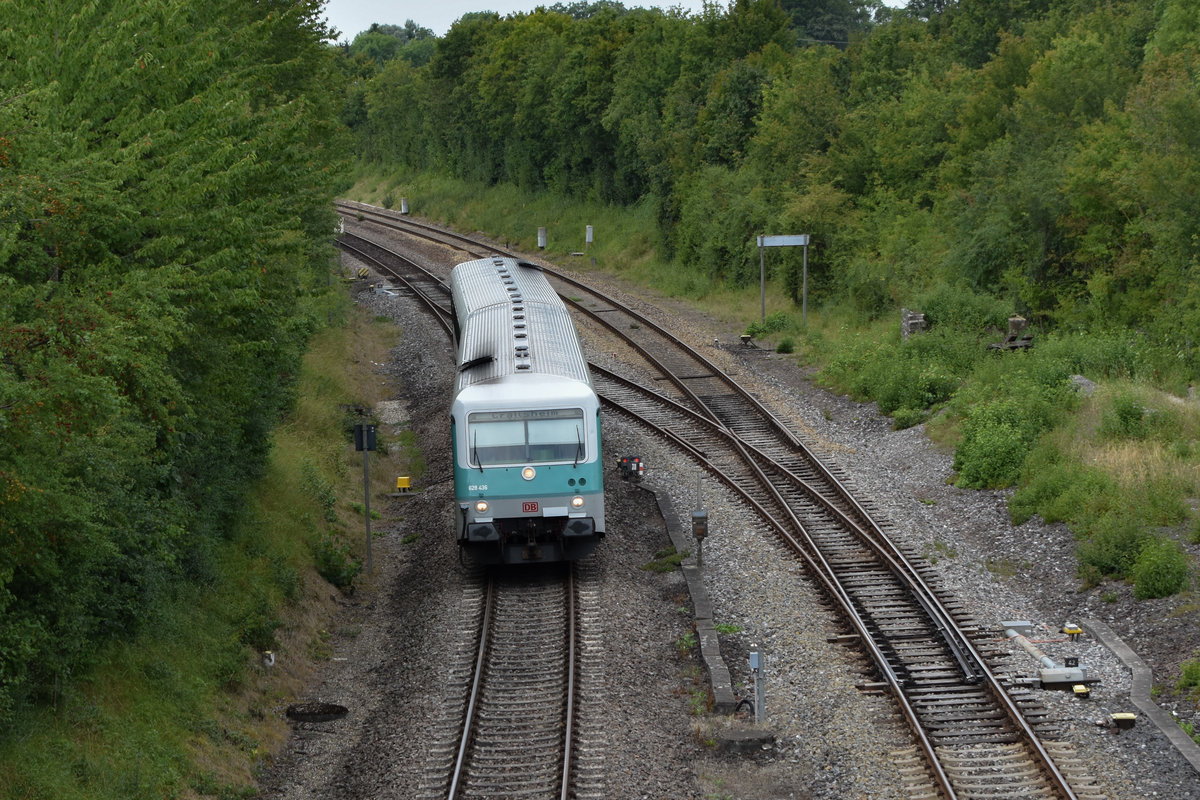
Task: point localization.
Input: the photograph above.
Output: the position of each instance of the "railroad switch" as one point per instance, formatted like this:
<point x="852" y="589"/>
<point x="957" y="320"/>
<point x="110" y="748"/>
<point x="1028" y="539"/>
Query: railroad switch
<point x="1052" y="674"/>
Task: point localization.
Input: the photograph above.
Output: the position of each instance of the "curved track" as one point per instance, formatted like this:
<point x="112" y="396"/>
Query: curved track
<point x="979" y="737"/>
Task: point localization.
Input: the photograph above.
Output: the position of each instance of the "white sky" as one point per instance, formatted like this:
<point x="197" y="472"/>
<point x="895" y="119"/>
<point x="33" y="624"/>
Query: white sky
<point x="351" y="17"/>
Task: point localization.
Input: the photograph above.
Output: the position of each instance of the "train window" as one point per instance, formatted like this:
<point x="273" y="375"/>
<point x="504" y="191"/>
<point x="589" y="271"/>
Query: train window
<point x="527" y="437"/>
<point x="556" y="439"/>
<point x="497" y="442"/>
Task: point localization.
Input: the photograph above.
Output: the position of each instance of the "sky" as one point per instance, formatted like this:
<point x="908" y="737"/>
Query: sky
<point x="352" y="17"/>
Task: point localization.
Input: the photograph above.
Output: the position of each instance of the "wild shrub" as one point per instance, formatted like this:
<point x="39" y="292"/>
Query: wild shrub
<point x="1125" y="418"/>
<point x="335" y="563"/>
<point x="1113" y="548"/>
<point x="1189" y="677"/>
<point x="903" y="418"/>
<point x="1005" y="408"/>
<point x="959" y="306"/>
<point x="904" y="383"/>
<point x="1161" y="569"/>
<point x="917" y="374"/>
<point x="318" y="487"/>
<point x="786" y="345"/>
<point x="1057" y="487"/>
<point x="866" y="288"/>
<point x="774" y="323"/>
<point x="1160" y="501"/>
<point x="257" y="622"/>
<point x="1096" y="354"/>
<point x="846" y="367"/>
<point x="996" y="436"/>
<point x="957" y="351"/>
<point x="718" y="216"/>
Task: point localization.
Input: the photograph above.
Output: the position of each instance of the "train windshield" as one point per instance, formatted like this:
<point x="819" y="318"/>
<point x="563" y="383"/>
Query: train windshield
<point x="526" y="437"/>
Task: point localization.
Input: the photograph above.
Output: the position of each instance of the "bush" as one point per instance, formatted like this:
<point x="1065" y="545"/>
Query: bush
<point x="1125" y="418"/>
<point x="1095" y="354"/>
<point x="1189" y="677"/>
<point x="995" y="440"/>
<point x="867" y="288"/>
<point x="908" y="417"/>
<point x="904" y="376"/>
<point x="1060" y="489"/>
<point x="318" y="487"/>
<point x="335" y="563"/>
<point x="1161" y="569"/>
<point x="786" y="345"/>
<point x="718" y="216"/>
<point x="775" y="322"/>
<point x="961" y="307"/>
<point x="1114" y="547"/>
<point x="846" y="369"/>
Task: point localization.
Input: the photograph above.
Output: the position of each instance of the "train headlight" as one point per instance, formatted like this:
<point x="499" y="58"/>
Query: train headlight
<point x="528" y="473"/>
<point x="576" y="502"/>
<point x="481" y="506"/>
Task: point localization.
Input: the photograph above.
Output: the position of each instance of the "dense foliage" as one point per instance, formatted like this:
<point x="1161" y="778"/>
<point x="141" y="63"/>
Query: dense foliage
<point x="166" y="169"/>
<point x="1040" y="151"/>
<point x="972" y="159"/>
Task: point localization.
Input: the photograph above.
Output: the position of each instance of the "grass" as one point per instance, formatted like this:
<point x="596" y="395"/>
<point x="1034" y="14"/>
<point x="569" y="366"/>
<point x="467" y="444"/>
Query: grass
<point x="686" y="643"/>
<point x="938" y="549"/>
<point x="666" y="560"/>
<point x="188" y="708"/>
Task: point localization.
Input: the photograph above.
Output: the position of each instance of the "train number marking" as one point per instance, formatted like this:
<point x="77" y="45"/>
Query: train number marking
<point x="477" y="487"/>
<point x="529" y="507"/>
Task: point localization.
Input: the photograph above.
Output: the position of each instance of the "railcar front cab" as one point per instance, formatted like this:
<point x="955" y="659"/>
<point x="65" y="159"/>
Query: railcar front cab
<point x="529" y="482"/>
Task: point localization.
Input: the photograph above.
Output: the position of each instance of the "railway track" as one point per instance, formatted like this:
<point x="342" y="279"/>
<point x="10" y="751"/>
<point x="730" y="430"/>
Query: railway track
<point x="516" y="696"/>
<point x="978" y="735"/>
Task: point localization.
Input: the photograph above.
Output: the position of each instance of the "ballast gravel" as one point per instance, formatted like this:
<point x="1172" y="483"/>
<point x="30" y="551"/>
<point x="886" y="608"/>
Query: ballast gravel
<point x="386" y="655"/>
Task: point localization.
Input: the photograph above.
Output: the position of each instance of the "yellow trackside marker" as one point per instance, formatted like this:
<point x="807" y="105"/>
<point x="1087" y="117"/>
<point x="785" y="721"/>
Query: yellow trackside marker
<point x="403" y="483"/>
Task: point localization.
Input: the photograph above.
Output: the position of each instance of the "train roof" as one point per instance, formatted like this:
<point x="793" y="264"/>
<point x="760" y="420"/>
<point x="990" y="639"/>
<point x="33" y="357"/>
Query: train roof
<point x="512" y="324"/>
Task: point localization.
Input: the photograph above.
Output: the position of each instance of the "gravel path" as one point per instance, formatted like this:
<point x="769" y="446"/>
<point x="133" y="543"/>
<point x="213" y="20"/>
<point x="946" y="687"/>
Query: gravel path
<point x="832" y="741"/>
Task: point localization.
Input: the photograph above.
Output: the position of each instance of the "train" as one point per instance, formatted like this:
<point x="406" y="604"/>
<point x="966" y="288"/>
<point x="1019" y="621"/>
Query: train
<point x="524" y="420"/>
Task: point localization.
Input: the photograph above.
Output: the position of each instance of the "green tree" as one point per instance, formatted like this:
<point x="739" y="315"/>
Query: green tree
<point x="831" y="22"/>
<point x="165" y="213"/>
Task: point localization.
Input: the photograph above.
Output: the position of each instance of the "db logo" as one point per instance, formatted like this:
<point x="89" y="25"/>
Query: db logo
<point x="530" y="508"/>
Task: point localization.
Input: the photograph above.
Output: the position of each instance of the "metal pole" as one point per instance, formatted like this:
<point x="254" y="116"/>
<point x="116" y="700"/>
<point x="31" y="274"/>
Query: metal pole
<point x="762" y="280"/>
<point x="367" y="505"/>
<point x="757" y="663"/>
<point x="805" y="289"/>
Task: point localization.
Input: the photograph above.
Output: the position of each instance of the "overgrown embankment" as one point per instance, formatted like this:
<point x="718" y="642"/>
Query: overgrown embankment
<point x="1096" y="429"/>
<point x="188" y="706"/>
